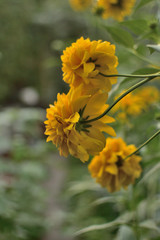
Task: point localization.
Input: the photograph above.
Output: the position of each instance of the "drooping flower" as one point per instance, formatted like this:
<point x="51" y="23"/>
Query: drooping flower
<point x="66" y="129"/>
<point x="80" y="5"/>
<point x="84" y="62"/>
<point x="111" y="169"/>
<point x="116" y="9"/>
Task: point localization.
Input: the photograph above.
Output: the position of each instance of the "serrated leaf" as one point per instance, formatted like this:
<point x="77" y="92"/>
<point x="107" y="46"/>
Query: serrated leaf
<point x="143" y="3"/>
<point x="121" y="36"/>
<point x="138" y="26"/>
<point x="154" y="47"/>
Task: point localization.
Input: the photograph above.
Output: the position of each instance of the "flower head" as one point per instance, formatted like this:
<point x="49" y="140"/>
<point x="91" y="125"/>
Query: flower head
<point x="136" y="102"/>
<point x="111" y="169"/>
<point x="131" y="104"/>
<point x="66" y="127"/>
<point x="149" y="94"/>
<point x="85" y="60"/>
<point x="80" y="5"/>
<point x="116" y="9"/>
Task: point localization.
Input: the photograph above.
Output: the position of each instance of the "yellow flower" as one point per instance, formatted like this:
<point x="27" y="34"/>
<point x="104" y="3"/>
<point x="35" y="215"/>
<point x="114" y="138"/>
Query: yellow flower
<point x="85" y="60"/>
<point x="116" y="9"/>
<point x="66" y="130"/>
<point x="111" y="169"/>
<point x="149" y="94"/>
<point x="131" y="104"/>
<point x="135" y="103"/>
<point x="80" y="5"/>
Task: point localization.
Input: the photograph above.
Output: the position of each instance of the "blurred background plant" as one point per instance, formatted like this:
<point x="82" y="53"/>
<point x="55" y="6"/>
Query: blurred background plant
<point x="43" y="196"/>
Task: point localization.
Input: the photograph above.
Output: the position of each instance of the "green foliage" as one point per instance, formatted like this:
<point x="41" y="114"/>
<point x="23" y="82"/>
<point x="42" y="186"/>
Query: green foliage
<point x="137" y="26"/>
<point x="22" y="173"/>
<point x="134" y="213"/>
<point x="121" y="36"/>
<point x="22" y="201"/>
<point x="34" y="34"/>
<point x="143" y="3"/>
<point x="154" y="47"/>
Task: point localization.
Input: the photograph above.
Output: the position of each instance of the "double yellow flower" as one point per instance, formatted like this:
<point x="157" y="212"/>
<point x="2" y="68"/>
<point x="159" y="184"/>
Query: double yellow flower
<point x="136" y="102"/>
<point x="111" y="169"/>
<point x="68" y="133"/>
<point x="83" y="64"/>
<point x="116" y="9"/>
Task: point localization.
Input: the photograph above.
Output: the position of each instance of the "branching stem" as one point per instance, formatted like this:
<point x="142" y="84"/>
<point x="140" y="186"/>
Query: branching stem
<point x="142" y="145"/>
<point x="132" y="76"/>
<point x="119" y="98"/>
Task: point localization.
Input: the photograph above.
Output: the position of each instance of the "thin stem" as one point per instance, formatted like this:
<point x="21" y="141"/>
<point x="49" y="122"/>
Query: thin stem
<point x="142" y="145"/>
<point x="130" y="75"/>
<point x="118" y="99"/>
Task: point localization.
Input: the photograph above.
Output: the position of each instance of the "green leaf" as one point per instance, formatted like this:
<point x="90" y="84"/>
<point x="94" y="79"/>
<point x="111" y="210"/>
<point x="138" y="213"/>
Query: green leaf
<point x="108" y="199"/>
<point x="78" y="187"/>
<point x="149" y="224"/>
<point x="98" y="227"/>
<point x="121" y="36"/>
<point x="128" y="81"/>
<point x="143" y="3"/>
<point x="32" y="170"/>
<point x="154" y="47"/>
<point x="123" y="219"/>
<point x="150" y="173"/>
<point x="125" y="232"/>
<point x="138" y="26"/>
<point x="145" y="71"/>
<point x="157" y="116"/>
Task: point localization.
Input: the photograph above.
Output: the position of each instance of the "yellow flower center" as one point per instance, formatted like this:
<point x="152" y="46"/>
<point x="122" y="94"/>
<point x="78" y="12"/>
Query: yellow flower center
<point x="81" y="125"/>
<point x="99" y="10"/>
<point x="119" y="162"/>
<point x="82" y="2"/>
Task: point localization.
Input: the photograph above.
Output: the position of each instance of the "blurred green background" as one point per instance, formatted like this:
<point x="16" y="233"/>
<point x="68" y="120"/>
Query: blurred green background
<point x="42" y="195"/>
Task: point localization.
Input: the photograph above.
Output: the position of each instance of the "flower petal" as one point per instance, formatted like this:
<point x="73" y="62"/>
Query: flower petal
<point x="112" y="169"/>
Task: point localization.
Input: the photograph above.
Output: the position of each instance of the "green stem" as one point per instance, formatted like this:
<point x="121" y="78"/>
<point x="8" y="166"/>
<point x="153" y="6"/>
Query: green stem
<point x="142" y="145"/>
<point x="118" y="99"/>
<point x="133" y="76"/>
